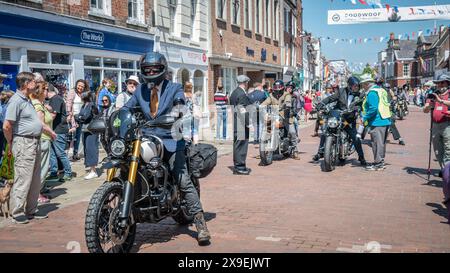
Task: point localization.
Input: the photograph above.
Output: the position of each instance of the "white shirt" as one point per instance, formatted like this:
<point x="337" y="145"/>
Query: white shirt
<point x="349" y="99"/>
<point x="77" y="104"/>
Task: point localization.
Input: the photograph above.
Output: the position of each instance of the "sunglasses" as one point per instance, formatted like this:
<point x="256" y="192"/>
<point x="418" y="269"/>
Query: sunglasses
<point x="105" y="100"/>
<point x="132" y="83"/>
<point x="153" y="69"/>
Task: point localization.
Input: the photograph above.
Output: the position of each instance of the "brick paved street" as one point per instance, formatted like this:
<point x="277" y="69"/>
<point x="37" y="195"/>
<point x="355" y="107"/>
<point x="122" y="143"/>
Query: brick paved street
<point x="290" y="206"/>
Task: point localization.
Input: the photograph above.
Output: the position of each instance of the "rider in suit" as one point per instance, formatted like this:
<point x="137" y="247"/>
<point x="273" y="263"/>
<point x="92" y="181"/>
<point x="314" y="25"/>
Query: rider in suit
<point x="156" y="97"/>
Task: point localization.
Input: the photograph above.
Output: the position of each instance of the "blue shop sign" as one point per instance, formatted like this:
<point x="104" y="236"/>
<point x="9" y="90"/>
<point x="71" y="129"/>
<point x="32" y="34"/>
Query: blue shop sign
<point x="33" y="29"/>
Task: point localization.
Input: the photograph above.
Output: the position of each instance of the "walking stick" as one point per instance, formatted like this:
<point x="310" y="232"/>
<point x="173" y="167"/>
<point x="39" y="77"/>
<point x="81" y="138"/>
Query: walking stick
<point x="429" y="148"/>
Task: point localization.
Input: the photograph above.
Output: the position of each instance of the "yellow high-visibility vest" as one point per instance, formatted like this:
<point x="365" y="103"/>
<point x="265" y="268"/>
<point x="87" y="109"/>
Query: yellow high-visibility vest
<point x="383" y="103"/>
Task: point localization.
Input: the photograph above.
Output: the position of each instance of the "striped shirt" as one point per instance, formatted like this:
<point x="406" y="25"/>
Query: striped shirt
<point x="221" y="100"/>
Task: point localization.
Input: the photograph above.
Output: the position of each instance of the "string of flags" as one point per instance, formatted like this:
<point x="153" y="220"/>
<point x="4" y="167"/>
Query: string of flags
<point x="364" y="40"/>
<point x="373" y="4"/>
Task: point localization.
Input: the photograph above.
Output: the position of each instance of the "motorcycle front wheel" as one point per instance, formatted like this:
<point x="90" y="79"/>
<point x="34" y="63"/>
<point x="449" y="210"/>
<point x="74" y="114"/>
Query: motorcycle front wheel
<point x="102" y="230"/>
<point x="329" y="162"/>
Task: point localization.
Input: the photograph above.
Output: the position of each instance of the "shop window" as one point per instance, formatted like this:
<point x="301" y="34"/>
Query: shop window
<point x="37" y="56"/>
<point x="5" y="54"/>
<point x="127" y="64"/>
<point x="108" y="62"/>
<point x="183" y="76"/>
<point x="229" y="76"/>
<point x="198" y="85"/>
<point x="92" y="61"/>
<point x="93" y="77"/>
<point x="59" y="78"/>
<point x="60" y="58"/>
<point x="114" y="77"/>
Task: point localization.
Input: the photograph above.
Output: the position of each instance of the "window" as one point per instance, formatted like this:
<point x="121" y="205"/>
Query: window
<point x="229" y="79"/>
<point x="258" y="16"/>
<point x="193" y="15"/>
<point x="97" y="4"/>
<point x="277" y="20"/>
<point x="286" y="20"/>
<point x="235" y="12"/>
<point x="60" y="58"/>
<point x="172" y="14"/>
<point x="132" y="9"/>
<point x="221" y="10"/>
<point x="267" y="19"/>
<point x="406" y="70"/>
<point x="108" y="62"/>
<point x="91" y="61"/>
<point x="247" y="14"/>
<point x="127" y="64"/>
<point x="37" y="57"/>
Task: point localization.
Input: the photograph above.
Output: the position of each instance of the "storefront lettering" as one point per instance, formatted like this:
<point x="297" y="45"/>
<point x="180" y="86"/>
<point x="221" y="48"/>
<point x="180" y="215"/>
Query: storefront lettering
<point x="89" y="36"/>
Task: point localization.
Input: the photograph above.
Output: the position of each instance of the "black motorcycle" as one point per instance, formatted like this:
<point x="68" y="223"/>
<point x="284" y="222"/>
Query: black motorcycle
<point x="401" y="108"/>
<point x="338" y="143"/>
<point x="139" y="187"/>
<point x="274" y="138"/>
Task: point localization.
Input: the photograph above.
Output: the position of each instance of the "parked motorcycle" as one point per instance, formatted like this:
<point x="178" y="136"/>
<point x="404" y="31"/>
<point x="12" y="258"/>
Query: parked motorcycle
<point x="274" y="138"/>
<point x="139" y="187"/>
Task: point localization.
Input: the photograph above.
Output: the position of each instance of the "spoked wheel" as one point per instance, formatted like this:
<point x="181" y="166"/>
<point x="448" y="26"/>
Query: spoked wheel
<point x="329" y="162"/>
<point x="103" y="232"/>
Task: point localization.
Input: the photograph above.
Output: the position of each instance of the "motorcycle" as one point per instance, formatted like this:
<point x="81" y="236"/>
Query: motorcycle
<point x="338" y="143"/>
<point x="274" y="138"/>
<point x="139" y="187"/>
<point x="401" y="108"/>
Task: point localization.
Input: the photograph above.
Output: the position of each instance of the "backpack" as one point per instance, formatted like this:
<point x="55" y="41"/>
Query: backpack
<point x="202" y="159"/>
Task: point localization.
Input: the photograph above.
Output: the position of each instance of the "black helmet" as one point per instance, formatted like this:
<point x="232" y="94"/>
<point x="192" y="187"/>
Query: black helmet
<point x="153" y="67"/>
<point x="278" y="88"/>
<point x="379" y="80"/>
<point x="291" y="84"/>
<point x="387" y="86"/>
<point x="352" y="81"/>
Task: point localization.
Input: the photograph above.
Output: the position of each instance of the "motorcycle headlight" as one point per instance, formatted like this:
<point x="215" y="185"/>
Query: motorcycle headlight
<point x="117" y="148"/>
<point x="332" y="122"/>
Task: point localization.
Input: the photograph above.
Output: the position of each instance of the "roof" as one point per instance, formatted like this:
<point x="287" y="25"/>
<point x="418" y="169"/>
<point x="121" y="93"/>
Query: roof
<point x="428" y="39"/>
<point x="407" y="49"/>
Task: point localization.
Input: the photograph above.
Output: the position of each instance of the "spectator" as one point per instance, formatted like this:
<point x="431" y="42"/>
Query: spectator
<point x="104" y="90"/>
<point x="57" y="108"/>
<point x="132" y="82"/>
<point x="2" y="78"/>
<point x="193" y="103"/>
<point x="37" y="99"/>
<point x="221" y="101"/>
<point x="257" y="96"/>
<point x="90" y="141"/>
<point x="308" y="104"/>
<point x="376" y="116"/>
<point x="38" y="77"/>
<point x="107" y="107"/>
<point x="73" y="106"/>
<point x="22" y="129"/>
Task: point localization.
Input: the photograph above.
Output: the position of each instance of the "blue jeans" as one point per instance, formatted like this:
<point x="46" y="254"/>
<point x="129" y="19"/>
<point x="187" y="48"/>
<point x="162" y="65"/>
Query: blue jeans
<point x="76" y="143"/>
<point x="58" y="152"/>
<point x="221" y="123"/>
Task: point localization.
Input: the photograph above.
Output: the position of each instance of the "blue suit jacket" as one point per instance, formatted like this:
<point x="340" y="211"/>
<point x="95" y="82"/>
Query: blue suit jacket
<point x="169" y="92"/>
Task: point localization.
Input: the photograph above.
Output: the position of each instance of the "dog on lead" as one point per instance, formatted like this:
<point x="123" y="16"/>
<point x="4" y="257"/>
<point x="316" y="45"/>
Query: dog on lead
<point x="4" y="198"/>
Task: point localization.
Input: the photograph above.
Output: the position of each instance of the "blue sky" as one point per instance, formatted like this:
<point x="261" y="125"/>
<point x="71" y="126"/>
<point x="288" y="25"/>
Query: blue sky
<point x="315" y="21"/>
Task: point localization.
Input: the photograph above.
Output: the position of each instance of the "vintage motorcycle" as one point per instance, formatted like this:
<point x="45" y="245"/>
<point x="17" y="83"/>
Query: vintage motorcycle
<point x="274" y="138"/>
<point x="338" y="143"/>
<point x="139" y="187"/>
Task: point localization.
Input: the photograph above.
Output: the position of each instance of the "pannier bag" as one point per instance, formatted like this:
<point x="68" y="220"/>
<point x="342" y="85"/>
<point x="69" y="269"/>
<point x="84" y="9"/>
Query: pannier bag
<point x="202" y="159"/>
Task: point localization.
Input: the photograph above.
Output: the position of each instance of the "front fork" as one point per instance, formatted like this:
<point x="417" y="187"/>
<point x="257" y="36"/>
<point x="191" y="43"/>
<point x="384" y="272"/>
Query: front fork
<point x="128" y="191"/>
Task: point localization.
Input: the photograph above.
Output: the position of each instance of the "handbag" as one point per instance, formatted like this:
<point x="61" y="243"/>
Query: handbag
<point x="7" y="168"/>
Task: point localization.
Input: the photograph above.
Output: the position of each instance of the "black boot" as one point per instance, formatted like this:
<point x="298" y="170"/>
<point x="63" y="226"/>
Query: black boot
<point x="317" y="157"/>
<point x="203" y="236"/>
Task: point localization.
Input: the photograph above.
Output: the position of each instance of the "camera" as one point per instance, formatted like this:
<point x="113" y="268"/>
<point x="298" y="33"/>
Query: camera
<point x="432" y="93"/>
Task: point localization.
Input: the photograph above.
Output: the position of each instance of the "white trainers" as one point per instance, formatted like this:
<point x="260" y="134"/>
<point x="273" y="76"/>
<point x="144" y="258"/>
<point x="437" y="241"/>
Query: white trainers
<point x="91" y="175"/>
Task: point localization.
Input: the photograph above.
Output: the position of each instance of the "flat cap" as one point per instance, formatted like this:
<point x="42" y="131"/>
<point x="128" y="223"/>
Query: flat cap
<point x="242" y="79"/>
<point x="442" y="78"/>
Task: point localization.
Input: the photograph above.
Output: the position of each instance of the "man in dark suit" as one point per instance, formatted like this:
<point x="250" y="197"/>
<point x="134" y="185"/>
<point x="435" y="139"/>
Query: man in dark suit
<point x="240" y="101"/>
<point x="157" y="97"/>
<point x="344" y="98"/>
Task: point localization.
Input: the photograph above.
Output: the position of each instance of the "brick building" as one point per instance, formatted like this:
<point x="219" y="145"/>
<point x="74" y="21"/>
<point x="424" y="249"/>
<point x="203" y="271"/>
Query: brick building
<point x="67" y="40"/>
<point x="253" y="37"/>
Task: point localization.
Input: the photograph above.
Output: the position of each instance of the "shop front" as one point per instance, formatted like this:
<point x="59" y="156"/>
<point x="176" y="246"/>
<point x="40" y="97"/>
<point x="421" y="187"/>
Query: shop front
<point x="65" y="49"/>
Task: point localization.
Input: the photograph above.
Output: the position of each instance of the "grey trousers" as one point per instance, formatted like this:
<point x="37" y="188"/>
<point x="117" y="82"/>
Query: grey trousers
<point x="45" y="160"/>
<point x="178" y="168"/>
<point x="441" y="142"/>
<point x="378" y="136"/>
<point x="27" y="175"/>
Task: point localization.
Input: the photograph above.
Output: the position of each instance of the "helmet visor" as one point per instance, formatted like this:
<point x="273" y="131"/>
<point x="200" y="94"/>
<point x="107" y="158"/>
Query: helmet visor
<point x="153" y="70"/>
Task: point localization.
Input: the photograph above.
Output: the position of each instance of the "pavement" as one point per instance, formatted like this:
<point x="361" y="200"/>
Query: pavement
<point x="290" y="206"/>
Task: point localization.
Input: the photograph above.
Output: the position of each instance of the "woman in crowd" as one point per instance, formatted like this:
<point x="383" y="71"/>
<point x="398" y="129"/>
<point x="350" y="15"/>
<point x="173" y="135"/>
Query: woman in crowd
<point x="37" y="99"/>
<point x="104" y="90"/>
<point x="90" y="141"/>
<point x="73" y="106"/>
<point x="308" y="104"/>
<point x="107" y="107"/>
<point x="193" y="103"/>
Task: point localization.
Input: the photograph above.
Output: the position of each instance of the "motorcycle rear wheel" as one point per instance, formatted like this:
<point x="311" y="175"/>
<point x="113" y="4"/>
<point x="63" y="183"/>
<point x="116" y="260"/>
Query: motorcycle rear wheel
<point x="329" y="158"/>
<point x="101" y="224"/>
